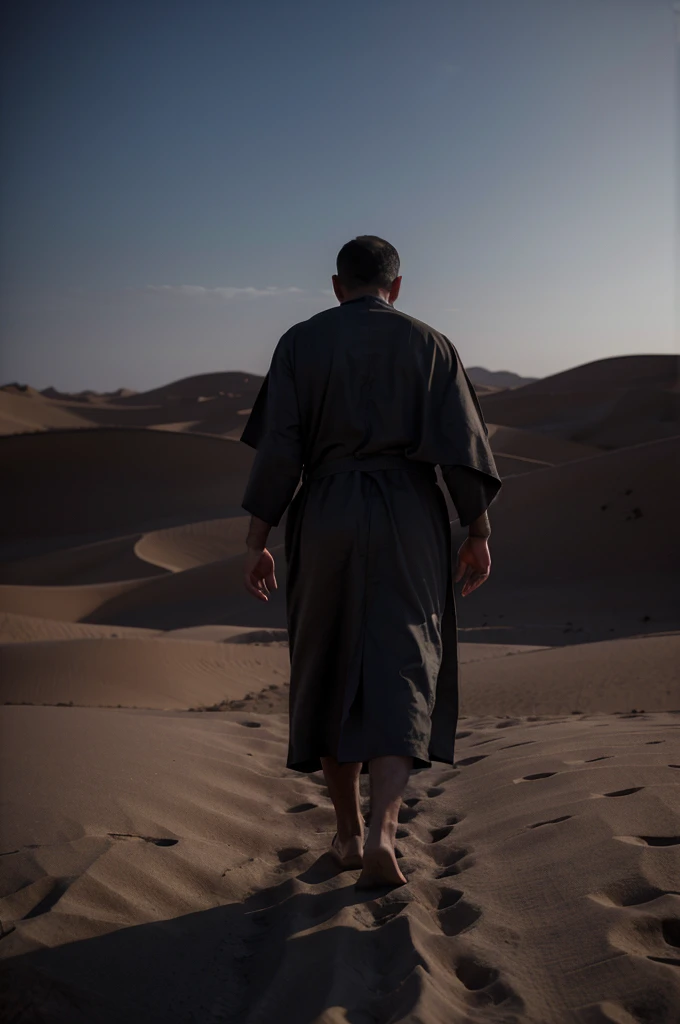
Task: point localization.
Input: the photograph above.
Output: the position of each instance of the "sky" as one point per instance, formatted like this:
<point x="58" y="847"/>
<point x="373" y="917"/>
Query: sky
<point x="179" y="177"/>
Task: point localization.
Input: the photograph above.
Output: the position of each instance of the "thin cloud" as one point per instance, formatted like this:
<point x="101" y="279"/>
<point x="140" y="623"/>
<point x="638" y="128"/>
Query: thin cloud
<point x="198" y="291"/>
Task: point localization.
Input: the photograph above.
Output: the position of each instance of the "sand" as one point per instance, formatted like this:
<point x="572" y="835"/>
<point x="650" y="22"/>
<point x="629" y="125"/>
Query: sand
<point x="172" y="870"/>
<point x="158" y="863"/>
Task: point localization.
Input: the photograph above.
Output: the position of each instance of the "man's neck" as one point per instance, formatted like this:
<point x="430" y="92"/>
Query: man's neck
<point x="374" y="295"/>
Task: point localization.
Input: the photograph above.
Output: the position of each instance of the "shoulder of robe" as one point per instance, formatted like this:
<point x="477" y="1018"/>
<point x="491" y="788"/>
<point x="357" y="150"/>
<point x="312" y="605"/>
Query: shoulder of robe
<point x="255" y="427"/>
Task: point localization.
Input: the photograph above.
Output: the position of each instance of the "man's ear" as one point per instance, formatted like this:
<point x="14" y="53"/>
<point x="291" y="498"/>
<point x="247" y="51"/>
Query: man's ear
<point x="394" y="290"/>
<point x="337" y="288"/>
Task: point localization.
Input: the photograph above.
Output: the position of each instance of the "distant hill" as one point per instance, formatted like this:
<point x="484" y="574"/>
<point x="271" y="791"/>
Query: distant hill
<point x="496" y="378"/>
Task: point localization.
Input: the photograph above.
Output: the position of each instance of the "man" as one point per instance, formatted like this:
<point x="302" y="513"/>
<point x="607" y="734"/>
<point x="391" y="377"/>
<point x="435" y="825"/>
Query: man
<point x="364" y="401"/>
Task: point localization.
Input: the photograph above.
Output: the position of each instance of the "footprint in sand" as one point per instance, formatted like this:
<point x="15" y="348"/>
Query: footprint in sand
<point x="462" y="735"/>
<point x="251" y="725"/>
<point x="454" y="914"/>
<point x="509" y="722"/>
<point x="470" y="760"/>
<point x="146" y="839"/>
<point x="452" y="862"/>
<point x="672" y="961"/>
<point x="648" y="936"/>
<point x="435" y="791"/>
<point x="448" y="777"/>
<point x="455" y="819"/>
<point x="475" y="975"/>
<point x="537" y="775"/>
<point x="550" y="821"/>
<point x="670" y="929"/>
<point x="630" y="893"/>
<point x="412" y="801"/>
<point x="48" y="901"/>
<point x="484" y="982"/>
<point x="406" y="814"/>
<point x="650" y="840"/>
<point x="437" y="834"/>
<point x="299" y="808"/>
<point x="620" y="792"/>
<point x="524" y="743"/>
<point x="605" y="757"/>
<point x="402" y="833"/>
<point x="382" y="912"/>
<point x="650" y="743"/>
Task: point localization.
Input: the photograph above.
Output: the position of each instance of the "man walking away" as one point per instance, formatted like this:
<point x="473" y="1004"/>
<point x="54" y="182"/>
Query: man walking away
<point x="363" y="401"/>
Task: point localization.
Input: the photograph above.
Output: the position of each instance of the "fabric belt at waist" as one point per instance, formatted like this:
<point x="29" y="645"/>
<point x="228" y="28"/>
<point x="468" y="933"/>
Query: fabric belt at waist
<point x="369" y="463"/>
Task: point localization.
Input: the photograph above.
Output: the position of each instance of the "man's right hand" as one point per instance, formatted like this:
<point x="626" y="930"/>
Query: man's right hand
<point x="474" y="564"/>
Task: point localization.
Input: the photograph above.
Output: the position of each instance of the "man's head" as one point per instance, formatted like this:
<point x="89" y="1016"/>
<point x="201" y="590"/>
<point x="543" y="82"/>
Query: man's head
<point x="367" y="265"/>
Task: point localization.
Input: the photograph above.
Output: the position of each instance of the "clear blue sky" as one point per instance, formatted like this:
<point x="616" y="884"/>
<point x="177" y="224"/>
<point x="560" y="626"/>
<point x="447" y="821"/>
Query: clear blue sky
<point x="172" y="170"/>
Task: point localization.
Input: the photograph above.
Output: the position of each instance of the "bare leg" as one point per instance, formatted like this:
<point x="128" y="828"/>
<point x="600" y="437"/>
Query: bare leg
<point x="389" y="776"/>
<point x="343" y="787"/>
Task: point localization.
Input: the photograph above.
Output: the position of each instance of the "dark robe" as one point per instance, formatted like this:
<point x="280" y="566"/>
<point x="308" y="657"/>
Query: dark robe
<point x="363" y="401"/>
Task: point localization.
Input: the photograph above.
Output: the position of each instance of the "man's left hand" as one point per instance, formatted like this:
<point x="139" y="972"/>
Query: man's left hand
<point x="259" y="576"/>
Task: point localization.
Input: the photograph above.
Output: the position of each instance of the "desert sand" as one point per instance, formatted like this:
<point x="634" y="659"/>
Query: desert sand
<point x="158" y="863"/>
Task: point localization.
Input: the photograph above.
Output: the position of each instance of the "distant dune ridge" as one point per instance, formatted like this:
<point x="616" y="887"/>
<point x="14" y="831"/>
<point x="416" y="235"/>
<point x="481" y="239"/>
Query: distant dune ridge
<point x="159" y="863"/>
<point x="496" y="379"/>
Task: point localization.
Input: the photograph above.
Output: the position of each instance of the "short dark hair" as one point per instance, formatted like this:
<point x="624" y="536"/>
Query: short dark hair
<point x="367" y="260"/>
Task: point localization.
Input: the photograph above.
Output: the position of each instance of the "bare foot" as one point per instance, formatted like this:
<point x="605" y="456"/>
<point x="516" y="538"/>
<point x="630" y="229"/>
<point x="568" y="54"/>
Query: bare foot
<point x="380" y="869"/>
<point x="349" y="853"/>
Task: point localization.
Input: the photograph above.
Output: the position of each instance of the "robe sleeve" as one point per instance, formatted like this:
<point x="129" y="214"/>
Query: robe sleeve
<point x="273" y="429"/>
<point x="454" y="434"/>
<point x="471" y="491"/>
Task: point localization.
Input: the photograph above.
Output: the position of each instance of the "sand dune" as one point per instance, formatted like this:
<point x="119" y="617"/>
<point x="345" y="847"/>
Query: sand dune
<point x="511" y="465"/>
<point x="661" y="371"/>
<point x="21" y="413"/>
<point x="542" y="876"/>
<point x="639" y="415"/>
<point x="185" y="547"/>
<point x="28" y="629"/>
<point x="104" y="562"/>
<point x="88" y="396"/>
<point x="603" y="516"/>
<point x="16" y="628"/>
<point x="600" y="518"/>
<point x="138" y="672"/>
<point x="527" y="444"/>
<point x="211" y="593"/>
<point x="212" y="404"/>
<point x="187" y="668"/>
<point x="229" y="384"/>
<point x="594" y="403"/>
<point x="208" y="414"/>
<point x="70" y="604"/>
<point x="610" y="675"/>
<point x="122" y="480"/>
